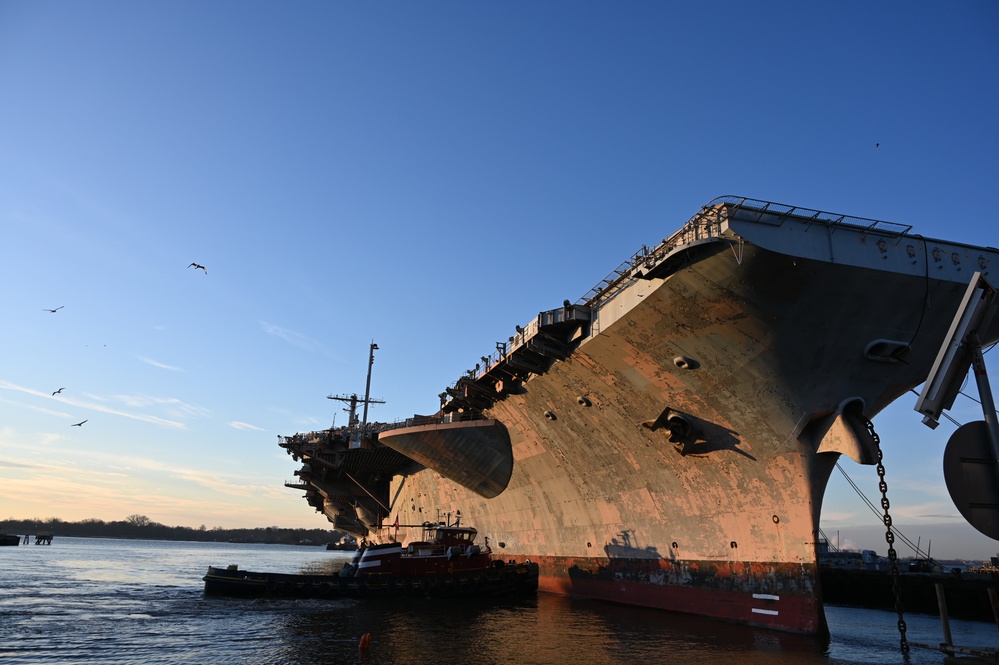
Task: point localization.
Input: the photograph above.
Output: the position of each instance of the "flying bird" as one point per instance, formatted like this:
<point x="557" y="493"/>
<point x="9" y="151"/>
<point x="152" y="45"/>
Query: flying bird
<point x="79" y="424"/>
<point x="198" y="267"/>
<point x="877" y="145"/>
<point x="54" y="310"/>
<point x="58" y="391"/>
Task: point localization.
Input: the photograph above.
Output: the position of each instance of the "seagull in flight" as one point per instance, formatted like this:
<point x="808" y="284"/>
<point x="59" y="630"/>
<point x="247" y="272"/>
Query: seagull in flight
<point x="79" y="424"/>
<point x="54" y="310"/>
<point x="58" y="391"/>
<point x="198" y="267"/>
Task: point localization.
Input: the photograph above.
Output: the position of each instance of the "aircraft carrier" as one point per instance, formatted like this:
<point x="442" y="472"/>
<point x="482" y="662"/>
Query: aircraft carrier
<point x="666" y="439"/>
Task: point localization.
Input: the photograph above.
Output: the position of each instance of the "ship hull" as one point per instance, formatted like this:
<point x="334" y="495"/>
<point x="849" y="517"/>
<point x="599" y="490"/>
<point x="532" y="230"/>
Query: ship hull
<point x="678" y="456"/>
<point x="775" y="379"/>
<point x="730" y="592"/>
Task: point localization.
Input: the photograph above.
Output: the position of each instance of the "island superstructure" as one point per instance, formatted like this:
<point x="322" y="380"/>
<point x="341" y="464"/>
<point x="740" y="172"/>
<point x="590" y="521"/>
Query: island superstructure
<point x="665" y="440"/>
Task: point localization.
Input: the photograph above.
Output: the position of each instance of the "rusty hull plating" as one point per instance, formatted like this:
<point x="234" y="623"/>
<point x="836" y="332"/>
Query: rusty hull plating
<point x="666" y="440"/>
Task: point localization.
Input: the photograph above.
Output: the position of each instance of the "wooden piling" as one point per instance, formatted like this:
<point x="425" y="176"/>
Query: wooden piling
<point x="995" y="605"/>
<point x="944" y="618"/>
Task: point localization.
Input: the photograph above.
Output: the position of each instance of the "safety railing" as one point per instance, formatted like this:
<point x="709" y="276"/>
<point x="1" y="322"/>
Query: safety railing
<point x="704" y="225"/>
<point x="707" y="223"/>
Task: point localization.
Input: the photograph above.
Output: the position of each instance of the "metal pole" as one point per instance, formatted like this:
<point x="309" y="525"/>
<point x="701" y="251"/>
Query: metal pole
<point x="365" y="490"/>
<point x="367" y="387"/>
<point x="944" y="618"/>
<point x="984" y="390"/>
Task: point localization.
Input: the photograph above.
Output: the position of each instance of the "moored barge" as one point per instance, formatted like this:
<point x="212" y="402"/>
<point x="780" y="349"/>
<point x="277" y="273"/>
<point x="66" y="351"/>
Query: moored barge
<point x="444" y="563"/>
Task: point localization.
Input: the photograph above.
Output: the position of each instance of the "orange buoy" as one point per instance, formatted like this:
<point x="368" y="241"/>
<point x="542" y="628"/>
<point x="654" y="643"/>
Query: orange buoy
<point x="365" y="642"/>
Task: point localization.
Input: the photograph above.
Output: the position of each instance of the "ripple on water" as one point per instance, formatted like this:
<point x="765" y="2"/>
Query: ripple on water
<point x="125" y="602"/>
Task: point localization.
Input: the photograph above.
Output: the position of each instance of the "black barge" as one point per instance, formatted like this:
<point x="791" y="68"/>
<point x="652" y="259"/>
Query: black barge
<point x="445" y="562"/>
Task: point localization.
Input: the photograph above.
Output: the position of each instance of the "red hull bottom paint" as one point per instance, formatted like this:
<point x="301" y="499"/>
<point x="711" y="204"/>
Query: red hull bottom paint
<point x="788" y="612"/>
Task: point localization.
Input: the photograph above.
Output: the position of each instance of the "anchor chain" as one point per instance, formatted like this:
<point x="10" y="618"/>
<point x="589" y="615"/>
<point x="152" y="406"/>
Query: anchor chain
<point x="890" y="538"/>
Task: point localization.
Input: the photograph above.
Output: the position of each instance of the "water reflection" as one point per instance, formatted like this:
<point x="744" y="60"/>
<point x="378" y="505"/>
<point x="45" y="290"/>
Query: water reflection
<point x="132" y="603"/>
<point x="546" y="629"/>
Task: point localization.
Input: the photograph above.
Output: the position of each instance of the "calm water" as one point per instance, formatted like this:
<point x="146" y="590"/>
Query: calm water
<point x="86" y="600"/>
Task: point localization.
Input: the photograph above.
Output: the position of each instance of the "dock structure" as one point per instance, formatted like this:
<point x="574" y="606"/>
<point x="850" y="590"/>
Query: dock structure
<point x="955" y="653"/>
<point x="42" y="539"/>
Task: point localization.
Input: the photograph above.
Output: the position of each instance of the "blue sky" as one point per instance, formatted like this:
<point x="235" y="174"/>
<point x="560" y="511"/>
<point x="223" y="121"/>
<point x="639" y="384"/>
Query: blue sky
<point x="424" y="175"/>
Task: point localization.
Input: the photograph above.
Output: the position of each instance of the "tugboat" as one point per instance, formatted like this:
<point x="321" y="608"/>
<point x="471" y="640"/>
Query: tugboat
<point x="445" y="562"/>
<point x="345" y="544"/>
<point x="9" y="539"/>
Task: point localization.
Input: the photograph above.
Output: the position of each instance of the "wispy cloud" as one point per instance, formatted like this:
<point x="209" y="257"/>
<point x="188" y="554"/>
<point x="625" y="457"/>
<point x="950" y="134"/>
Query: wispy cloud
<point x="15" y="465"/>
<point x="929" y="510"/>
<point x="110" y="470"/>
<point x="92" y="406"/>
<point x="232" y="484"/>
<point x="172" y="405"/>
<point x="156" y="363"/>
<point x="41" y="409"/>
<point x="295" y="338"/>
<point x="287" y="414"/>
<point x="73" y="483"/>
<point x="238" y="425"/>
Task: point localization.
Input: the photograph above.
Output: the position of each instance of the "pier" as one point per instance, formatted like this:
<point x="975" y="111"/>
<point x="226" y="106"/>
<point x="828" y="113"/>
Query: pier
<point x="955" y="653"/>
<point x="40" y="539"/>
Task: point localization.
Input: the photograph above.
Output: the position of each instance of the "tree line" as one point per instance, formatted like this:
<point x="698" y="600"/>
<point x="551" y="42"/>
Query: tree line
<point x="140" y="526"/>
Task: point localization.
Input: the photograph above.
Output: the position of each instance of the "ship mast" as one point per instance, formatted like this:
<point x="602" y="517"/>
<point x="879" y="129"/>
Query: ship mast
<point x="354" y="400"/>
<point x="367" y="386"/>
